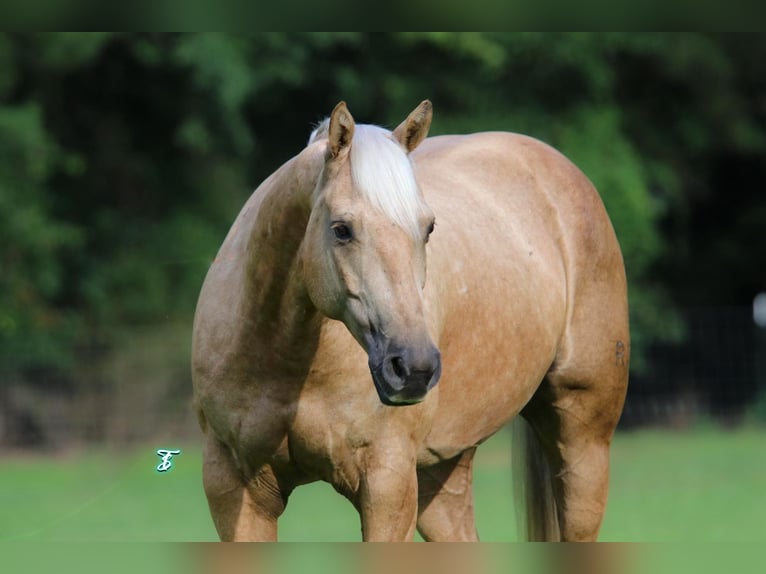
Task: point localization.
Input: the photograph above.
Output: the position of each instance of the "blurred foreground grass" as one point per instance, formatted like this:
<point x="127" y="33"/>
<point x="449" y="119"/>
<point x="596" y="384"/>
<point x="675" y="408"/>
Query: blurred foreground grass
<point x="705" y="485"/>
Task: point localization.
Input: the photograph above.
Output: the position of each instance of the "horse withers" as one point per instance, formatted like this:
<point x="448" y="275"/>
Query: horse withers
<point x="382" y="304"/>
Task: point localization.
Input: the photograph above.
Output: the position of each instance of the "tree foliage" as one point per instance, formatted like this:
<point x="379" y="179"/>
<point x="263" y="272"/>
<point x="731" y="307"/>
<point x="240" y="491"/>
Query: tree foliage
<point x="125" y="157"/>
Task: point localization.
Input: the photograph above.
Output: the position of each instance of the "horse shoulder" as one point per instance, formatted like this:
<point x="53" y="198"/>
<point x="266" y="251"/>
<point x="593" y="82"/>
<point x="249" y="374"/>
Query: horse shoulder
<point x="223" y="321"/>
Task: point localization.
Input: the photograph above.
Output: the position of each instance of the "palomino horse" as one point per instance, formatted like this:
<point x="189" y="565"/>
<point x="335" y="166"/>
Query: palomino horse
<point x="319" y="341"/>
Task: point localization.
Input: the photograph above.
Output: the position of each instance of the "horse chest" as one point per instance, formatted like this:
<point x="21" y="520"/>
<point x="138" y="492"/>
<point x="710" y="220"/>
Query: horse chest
<point x="331" y="439"/>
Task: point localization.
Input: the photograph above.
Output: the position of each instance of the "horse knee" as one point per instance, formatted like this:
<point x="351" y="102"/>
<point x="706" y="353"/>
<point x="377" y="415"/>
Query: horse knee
<point x="241" y="509"/>
<point x="387" y="496"/>
<point x="445" y="500"/>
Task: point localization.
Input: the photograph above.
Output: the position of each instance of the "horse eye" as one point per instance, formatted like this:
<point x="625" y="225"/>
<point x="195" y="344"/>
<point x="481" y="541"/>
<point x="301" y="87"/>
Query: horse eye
<point x="342" y="232"/>
<point x="430" y="229"/>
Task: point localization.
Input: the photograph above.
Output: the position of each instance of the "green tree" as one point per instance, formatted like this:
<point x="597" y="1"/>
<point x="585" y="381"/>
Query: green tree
<point x="125" y="157"/>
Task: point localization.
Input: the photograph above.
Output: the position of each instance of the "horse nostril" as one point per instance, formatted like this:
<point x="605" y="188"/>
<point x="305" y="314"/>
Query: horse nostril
<point x="397" y="363"/>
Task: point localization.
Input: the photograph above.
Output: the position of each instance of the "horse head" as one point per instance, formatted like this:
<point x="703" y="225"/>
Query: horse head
<point x="364" y="252"/>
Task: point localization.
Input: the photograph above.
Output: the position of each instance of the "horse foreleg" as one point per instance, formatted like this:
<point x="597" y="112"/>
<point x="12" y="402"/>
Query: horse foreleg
<point x="387" y="498"/>
<point x="241" y="510"/>
<point x="445" y="500"/>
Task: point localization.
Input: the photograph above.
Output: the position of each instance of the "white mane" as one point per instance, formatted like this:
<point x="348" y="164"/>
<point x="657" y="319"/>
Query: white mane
<point x="382" y="172"/>
<point x="320" y="131"/>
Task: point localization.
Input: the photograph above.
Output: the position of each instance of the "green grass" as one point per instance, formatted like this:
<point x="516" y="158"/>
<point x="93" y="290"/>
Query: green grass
<point x="706" y="485"/>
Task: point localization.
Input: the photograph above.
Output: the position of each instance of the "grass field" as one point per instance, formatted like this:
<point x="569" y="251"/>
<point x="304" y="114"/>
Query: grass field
<point x="706" y="485"/>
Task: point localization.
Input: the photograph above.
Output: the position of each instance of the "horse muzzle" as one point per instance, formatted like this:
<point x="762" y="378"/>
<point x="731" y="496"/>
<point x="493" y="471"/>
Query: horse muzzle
<point x="404" y="375"/>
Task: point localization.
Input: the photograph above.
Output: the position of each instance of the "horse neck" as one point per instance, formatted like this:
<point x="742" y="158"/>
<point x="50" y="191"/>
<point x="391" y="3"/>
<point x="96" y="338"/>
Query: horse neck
<point x="282" y="320"/>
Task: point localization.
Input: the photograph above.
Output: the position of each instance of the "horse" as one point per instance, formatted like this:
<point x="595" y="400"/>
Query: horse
<point x="384" y="303"/>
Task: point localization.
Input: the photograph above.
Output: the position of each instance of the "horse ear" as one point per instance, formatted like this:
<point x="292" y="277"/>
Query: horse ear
<point x="414" y="129"/>
<point x="341" y="129"/>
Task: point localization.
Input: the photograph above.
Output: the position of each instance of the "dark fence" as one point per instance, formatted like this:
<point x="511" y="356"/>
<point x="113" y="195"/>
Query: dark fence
<point x="135" y="390"/>
<point x="717" y="371"/>
<point x="140" y="390"/>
